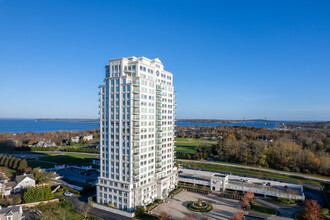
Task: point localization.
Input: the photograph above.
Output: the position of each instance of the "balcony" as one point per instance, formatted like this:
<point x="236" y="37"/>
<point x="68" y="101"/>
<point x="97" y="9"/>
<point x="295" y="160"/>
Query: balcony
<point x="158" y="94"/>
<point x="158" y="118"/>
<point x="136" y="124"/>
<point x="136" y="159"/>
<point x="159" y="130"/>
<point x="136" y="138"/>
<point x="136" y="172"/>
<point x="136" y="112"/>
<point x="136" y="104"/>
<point x="136" y="97"/>
<point x="158" y="106"/>
<point x="136" y="131"/>
<point x="136" y="90"/>
<point x="136" y="83"/>
<point x="158" y="87"/>
<point x="136" y="179"/>
<point x="136" y="166"/>
<point x="158" y="166"/>
<point x="158" y="112"/>
<point x="136" y="152"/>
<point x="158" y="124"/>
<point x="136" y="118"/>
<point x="158" y="142"/>
<point x="158" y="100"/>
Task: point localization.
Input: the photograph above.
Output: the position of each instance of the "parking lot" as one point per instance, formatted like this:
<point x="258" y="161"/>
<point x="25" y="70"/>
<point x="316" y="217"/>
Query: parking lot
<point x="222" y="208"/>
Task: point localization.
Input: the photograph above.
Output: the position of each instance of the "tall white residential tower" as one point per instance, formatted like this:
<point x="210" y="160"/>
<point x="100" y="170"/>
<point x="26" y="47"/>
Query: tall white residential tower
<point x="137" y="105"/>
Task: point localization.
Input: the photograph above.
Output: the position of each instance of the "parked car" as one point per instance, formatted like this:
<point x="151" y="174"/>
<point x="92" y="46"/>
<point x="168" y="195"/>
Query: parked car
<point x="68" y="194"/>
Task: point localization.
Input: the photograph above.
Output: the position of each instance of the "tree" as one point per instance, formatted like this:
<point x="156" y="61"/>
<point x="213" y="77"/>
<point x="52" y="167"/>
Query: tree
<point x="22" y="165"/>
<point x="2" y="161"/>
<point x="140" y="212"/>
<point x="247" y="199"/>
<point x="311" y="211"/>
<point x="238" y="215"/>
<point x="33" y="194"/>
<point x="7" y="161"/>
<point x="16" y="163"/>
<point x="164" y="216"/>
<point x="86" y="207"/>
<point x="47" y="193"/>
<point x="11" y="162"/>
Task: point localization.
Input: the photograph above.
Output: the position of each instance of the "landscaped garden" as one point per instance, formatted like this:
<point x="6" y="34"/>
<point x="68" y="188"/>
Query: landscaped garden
<point x="199" y="206"/>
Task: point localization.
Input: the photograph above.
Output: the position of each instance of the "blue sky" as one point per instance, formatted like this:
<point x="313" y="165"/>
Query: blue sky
<point x="230" y="59"/>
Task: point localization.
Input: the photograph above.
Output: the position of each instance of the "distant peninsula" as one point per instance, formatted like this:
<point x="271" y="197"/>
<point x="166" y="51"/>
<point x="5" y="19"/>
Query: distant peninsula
<point x="70" y="119"/>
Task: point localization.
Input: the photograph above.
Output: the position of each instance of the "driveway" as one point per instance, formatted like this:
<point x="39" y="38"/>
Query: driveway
<point x="176" y="208"/>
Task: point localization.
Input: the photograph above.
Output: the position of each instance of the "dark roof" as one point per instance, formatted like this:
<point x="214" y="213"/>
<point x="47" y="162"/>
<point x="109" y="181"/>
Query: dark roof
<point x="6" y="210"/>
<point x="19" y="178"/>
<point x="10" y="184"/>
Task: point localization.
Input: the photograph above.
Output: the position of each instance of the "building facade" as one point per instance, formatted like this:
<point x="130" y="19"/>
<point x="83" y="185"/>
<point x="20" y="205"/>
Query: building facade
<point x="137" y="111"/>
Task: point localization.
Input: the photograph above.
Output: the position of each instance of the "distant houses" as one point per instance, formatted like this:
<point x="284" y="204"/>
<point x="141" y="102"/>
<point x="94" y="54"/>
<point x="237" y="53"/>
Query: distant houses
<point x="45" y="144"/>
<point x="75" y="139"/>
<point x="88" y="137"/>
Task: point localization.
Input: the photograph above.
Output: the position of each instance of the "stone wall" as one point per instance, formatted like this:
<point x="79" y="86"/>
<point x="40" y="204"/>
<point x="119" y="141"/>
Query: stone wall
<point x="32" y="204"/>
<point x="113" y="210"/>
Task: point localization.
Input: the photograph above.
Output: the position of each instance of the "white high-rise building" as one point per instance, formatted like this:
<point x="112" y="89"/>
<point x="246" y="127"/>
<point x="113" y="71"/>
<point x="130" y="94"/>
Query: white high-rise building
<point x="137" y="105"/>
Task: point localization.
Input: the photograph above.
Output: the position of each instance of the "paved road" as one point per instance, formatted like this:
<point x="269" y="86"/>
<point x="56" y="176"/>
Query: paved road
<point x="284" y="212"/>
<point x="77" y="204"/>
<point x="259" y="169"/>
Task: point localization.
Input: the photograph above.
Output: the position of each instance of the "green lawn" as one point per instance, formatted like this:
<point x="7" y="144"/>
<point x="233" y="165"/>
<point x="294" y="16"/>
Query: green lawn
<point x="55" y="158"/>
<point x="188" y="145"/>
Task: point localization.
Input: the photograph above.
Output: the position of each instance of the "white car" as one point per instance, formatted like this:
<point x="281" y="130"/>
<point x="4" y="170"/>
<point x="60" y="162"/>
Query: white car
<point x="68" y="194"/>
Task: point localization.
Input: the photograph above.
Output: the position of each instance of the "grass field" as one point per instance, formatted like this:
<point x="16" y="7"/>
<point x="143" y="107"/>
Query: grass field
<point x="55" y="158"/>
<point x="188" y="145"/>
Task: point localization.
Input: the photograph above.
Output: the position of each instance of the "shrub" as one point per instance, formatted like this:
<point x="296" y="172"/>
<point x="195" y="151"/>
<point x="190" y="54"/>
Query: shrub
<point x="324" y="211"/>
<point x="36" y="194"/>
<point x="140" y="212"/>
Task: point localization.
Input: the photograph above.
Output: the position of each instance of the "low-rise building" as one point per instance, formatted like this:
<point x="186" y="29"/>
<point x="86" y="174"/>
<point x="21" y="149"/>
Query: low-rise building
<point x="23" y="182"/>
<point x="45" y="144"/>
<point x="220" y="182"/>
<point x="11" y="213"/>
<point x="75" y="139"/>
<point x="88" y="137"/>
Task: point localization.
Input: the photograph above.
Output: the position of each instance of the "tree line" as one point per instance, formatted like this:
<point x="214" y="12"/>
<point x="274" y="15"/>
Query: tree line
<point x="305" y="151"/>
<point x="13" y="162"/>
<point x="56" y="148"/>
